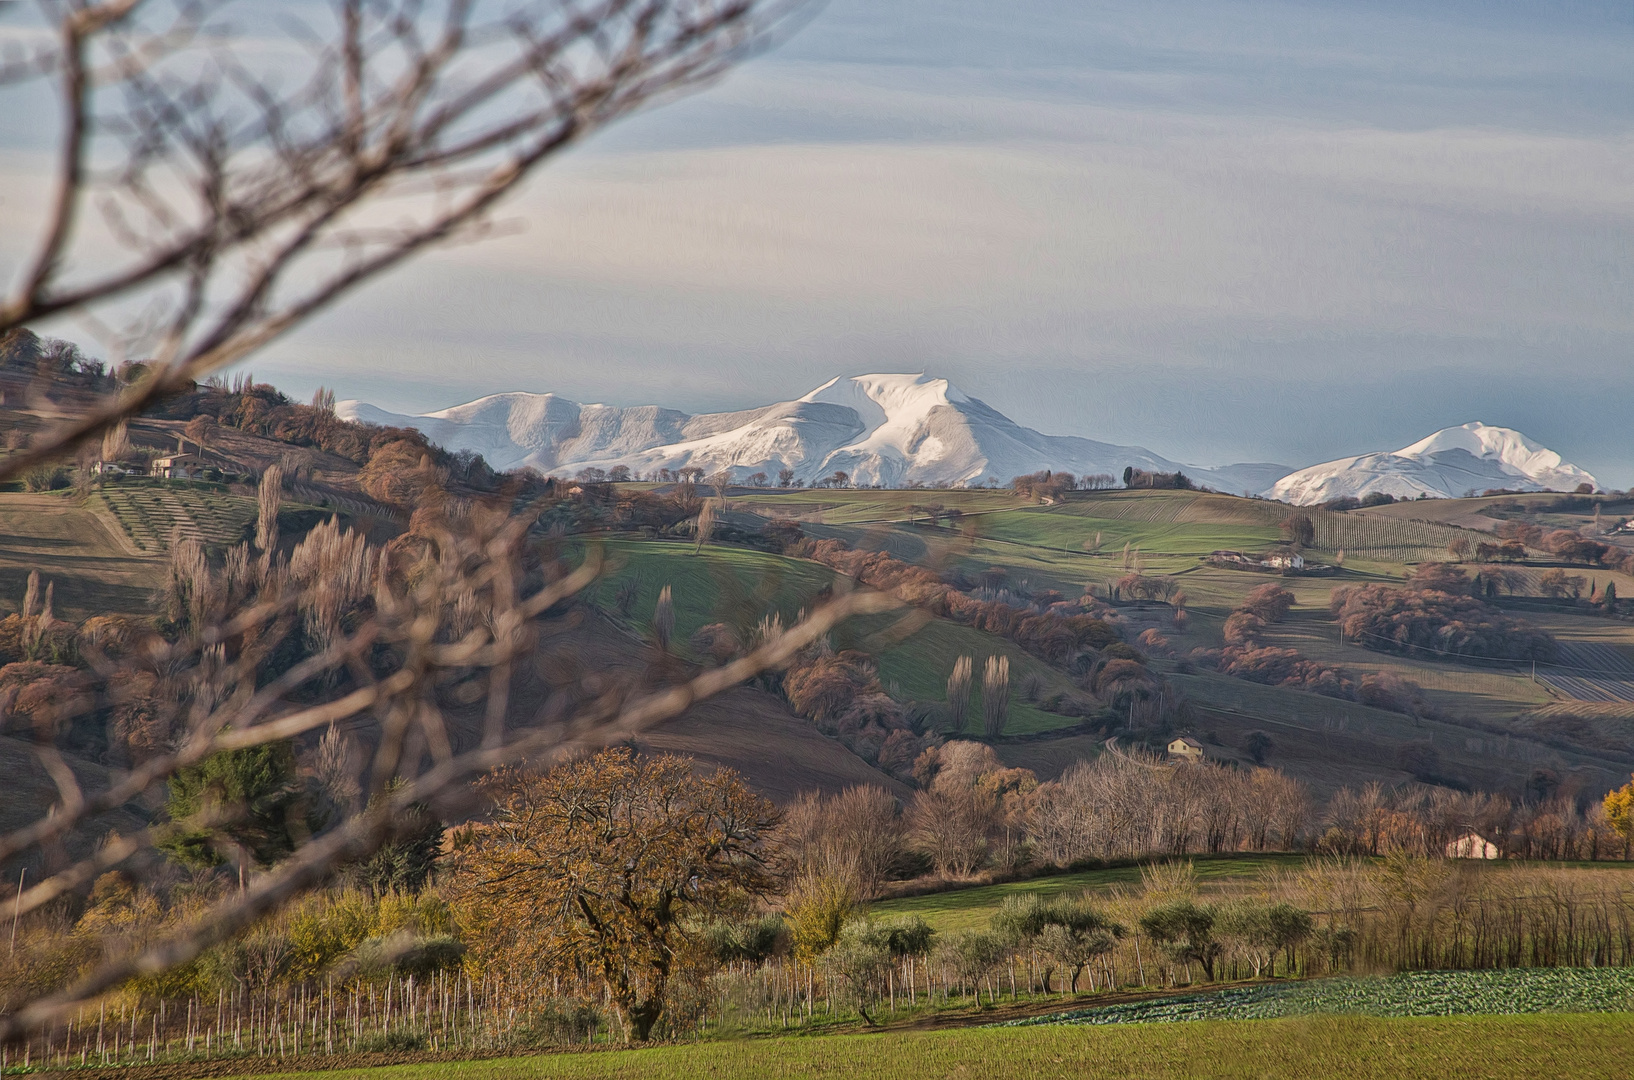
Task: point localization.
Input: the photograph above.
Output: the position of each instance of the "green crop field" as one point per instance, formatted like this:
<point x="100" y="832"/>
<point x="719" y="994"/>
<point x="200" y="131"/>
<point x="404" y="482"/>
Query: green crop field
<point x="1592" y="1045"/>
<point x="972" y="908"/>
<point x="1411" y="993"/>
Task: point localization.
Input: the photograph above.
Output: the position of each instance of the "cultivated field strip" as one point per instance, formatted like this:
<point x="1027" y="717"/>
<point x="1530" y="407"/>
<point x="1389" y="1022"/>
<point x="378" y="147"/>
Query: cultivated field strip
<point x="1382" y="539"/>
<point x="151" y="516"/>
<point x="1591" y="672"/>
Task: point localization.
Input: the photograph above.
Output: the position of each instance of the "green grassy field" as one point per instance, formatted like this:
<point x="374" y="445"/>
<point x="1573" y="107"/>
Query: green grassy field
<point x="738" y="587"/>
<point x="1590" y="1046"/>
<point x="718" y="584"/>
<point x="972" y="908"/>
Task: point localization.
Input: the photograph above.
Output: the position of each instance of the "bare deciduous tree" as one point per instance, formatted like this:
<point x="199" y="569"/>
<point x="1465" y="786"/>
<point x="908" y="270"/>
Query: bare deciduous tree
<point x="204" y="205"/>
<point x="995" y="695"/>
<point x="958" y="695"/>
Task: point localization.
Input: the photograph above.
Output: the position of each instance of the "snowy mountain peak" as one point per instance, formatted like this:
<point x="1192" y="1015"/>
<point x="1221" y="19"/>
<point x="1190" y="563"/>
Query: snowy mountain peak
<point x="1484" y="441"/>
<point x="888" y="429"/>
<point x="895" y="394"/>
<point x="1447" y="464"/>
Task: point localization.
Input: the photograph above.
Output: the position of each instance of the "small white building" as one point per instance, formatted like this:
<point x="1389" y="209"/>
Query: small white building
<point x="1472" y="846"/>
<point x="1284" y="560"/>
<point x="1185" y="748"/>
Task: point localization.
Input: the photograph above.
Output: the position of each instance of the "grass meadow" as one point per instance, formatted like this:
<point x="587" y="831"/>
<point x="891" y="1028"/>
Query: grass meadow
<point x="738" y="587"/>
<point x="974" y="908"/>
<point x="1589" y="1046"/>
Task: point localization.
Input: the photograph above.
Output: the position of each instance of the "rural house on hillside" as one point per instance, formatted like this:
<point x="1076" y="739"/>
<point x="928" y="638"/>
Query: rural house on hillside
<point x="1185" y="748"/>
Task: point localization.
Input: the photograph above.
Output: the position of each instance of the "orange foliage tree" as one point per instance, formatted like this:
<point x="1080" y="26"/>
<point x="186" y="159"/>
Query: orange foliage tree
<point x="602" y="869"/>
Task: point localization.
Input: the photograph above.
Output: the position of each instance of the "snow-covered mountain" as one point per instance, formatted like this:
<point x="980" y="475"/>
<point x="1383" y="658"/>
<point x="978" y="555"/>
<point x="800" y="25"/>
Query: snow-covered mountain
<point x="1448" y="464"/>
<point x="892" y="430"/>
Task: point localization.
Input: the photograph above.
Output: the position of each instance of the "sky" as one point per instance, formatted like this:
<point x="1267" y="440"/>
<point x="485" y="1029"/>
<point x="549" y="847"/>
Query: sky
<point x="1226" y="231"/>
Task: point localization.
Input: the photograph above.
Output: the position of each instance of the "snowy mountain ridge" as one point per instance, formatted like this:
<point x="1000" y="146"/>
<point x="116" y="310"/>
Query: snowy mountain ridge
<point x="1447" y="464"/>
<point x="887" y="429"/>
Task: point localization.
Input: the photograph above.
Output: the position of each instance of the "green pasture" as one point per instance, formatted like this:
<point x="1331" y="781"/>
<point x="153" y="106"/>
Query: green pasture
<point x="845" y="506"/>
<point x="739" y="587"/>
<point x="919" y="663"/>
<point x="1587" y="1045"/>
<point x="736" y="586"/>
<point x="972" y="908"/>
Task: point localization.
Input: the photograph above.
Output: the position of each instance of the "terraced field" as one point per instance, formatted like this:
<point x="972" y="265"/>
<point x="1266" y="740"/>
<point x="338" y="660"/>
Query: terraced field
<point x="152" y="516"/>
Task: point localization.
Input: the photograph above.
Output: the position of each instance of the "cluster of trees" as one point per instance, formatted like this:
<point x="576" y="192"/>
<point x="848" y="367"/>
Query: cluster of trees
<point x="591" y="506"/>
<point x="1435" y="615"/>
<point x="972" y="814"/>
<point x="51" y="360"/>
<point x="1125" y="805"/>
<point x="1054" y="637"/>
<point x="1140" y="478"/>
<point x="1423" y="821"/>
<point x="840" y="693"/>
<point x="1052" y="485"/>
<point x="1245" y="656"/>
<point x="1351" y="502"/>
<point x="1299" y="530"/>
<point x="1567" y="545"/>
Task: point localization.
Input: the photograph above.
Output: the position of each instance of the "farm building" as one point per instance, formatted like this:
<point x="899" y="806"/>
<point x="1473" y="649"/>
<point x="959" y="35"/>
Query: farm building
<point x="1282" y="560"/>
<point x="177" y="466"/>
<point x="1186" y="748"/>
<point x="1472" y="846"/>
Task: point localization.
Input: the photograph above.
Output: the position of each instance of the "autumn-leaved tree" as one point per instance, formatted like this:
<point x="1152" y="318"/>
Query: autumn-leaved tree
<point x="1619" y="806"/>
<point x="607" y="868"/>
